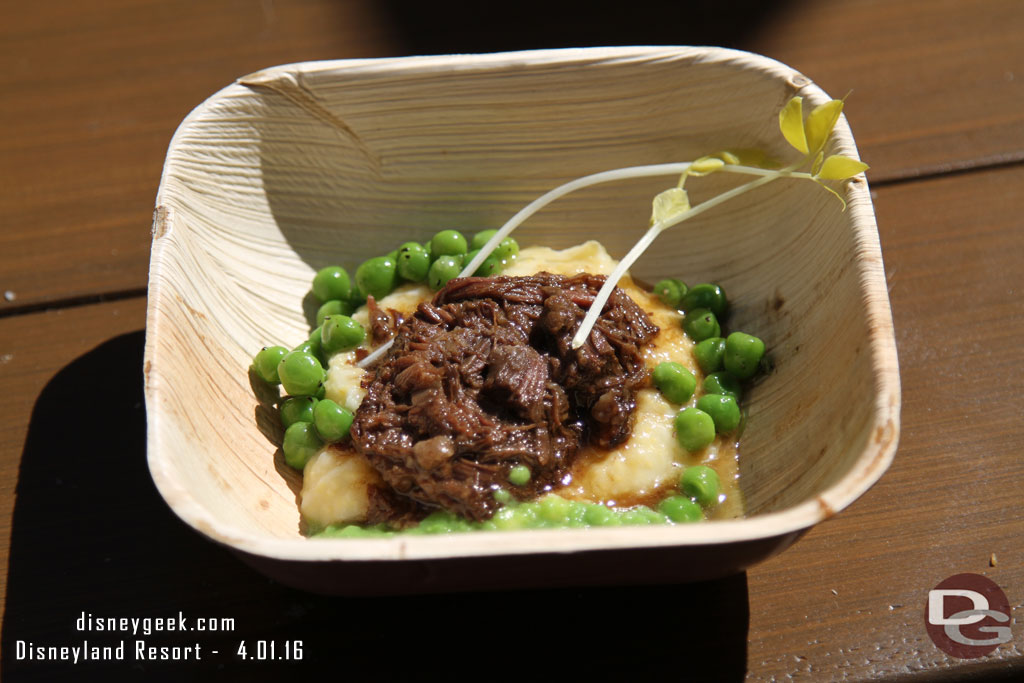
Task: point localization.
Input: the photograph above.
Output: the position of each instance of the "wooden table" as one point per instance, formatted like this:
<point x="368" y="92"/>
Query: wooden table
<point x="91" y="95"/>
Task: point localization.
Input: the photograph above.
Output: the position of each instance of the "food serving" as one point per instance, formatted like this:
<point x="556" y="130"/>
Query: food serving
<point x="534" y="388"/>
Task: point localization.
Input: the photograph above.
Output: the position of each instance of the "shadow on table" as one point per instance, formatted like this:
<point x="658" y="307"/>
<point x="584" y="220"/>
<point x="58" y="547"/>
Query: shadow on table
<point x="457" y="27"/>
<point x="447" y="196"/>
<point x="92" y="538"/>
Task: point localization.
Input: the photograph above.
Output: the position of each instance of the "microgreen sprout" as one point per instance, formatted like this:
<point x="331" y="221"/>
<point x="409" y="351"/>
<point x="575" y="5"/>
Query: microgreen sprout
<point x="672" y="206"/>
<point x="809" y="136"/>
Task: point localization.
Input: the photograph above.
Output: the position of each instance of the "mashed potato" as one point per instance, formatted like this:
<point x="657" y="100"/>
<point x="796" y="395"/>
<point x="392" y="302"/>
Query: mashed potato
<point x="639" y="471"/>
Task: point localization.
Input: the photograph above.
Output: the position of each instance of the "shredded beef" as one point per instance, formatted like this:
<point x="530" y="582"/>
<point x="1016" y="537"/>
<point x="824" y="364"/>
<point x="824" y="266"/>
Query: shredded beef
<point x="383" y="324"/>
<point x="483" y="378"/>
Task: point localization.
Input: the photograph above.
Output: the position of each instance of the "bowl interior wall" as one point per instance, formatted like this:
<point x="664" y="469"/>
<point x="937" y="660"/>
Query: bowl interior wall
<point x="279" y="177"/>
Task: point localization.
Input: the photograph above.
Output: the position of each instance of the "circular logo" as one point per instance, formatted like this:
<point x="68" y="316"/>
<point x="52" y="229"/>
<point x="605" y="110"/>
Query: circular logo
<point x="967" y="616"/>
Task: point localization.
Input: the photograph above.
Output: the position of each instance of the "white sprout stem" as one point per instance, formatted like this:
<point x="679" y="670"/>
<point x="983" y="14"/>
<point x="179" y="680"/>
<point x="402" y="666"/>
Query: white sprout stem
<point x="535" y="206"/>
<point x="594" y="179"/>
<point x="377" y="353"/>
<point x="787" y="172"/>
<point x="562" y="190"/>
<point x="640" y="247"/>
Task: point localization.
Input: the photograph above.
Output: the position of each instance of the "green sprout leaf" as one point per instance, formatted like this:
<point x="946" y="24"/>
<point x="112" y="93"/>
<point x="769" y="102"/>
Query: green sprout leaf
<point x="836" y="194"/>
<point x="671" y="207"/>
<point x="820" y="123"/>
<point x="748" y="157"/>
<point x="729" y="157"/>
<point x="705" y="165"/>
<point x="791" y="123"/>
<point x="817" y="164"/>
<point x="838" y="167"/>
<point x="669" y="204"/>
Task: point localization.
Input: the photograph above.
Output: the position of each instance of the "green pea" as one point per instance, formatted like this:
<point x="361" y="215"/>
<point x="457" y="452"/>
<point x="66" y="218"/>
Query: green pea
<point x="706" y="295"/>
<point x="266" y="362"/>
<point x="507" y="250"/>
<point x="528" y="515"/>
<point x="674" y="381"/>
<point x="635" y="517"/>
<point x="694" y="429"/>
<point x="481" y="238"/>
<point x="413" y="262"/>
<point x="358" y="297"/>
<point x="333" y="307"/>
<point x="680" y="509"/>
<point x="575" y="514"/>
<point x="653" y="516"/>
<point x="723" y="383"/>
<point x="553" y="508"/>
<point x="297" y="409"/>
<point x="448" y="243"/>
<point x="743" y="354"/>
<point x="709" y="354"/>
<point x="331" y="283"/>
<point x="700" y="324"/>
<point x="364" y="531"/>
<point x="332" y="421"/>
<point x="442" y="270"/>
<point x="308" y="347"/>
<point x="506" y="518"/>
<point x="300" y="444"/>
<point x="491" y="266"/>
<point x="439" y="522"/>
<point x="377" y="277"/>
<point x="700" y="482"/>
<point x="723" y="410"/>
<point x="600" y="515"/>
<point x="301" y="373"/>
<point x="519" y="475"/>
<point x="670" y="291"/>
<point x="502" y="496"/>
<point x="341" y="333"/>
<point x="313" y="346"/>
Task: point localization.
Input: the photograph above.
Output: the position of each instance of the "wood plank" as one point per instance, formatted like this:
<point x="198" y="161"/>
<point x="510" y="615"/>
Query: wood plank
<point x="936" y="85"/>
<point x="848" y="600"/>
<point x="93" y="93"/>
<point x="83" y="531"/>
<point x="35" y="350"/>
<point x="951" y="499"/>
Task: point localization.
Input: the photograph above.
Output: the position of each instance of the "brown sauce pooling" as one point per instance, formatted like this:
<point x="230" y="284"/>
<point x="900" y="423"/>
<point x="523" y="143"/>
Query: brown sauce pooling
<point x="483" y="378"/>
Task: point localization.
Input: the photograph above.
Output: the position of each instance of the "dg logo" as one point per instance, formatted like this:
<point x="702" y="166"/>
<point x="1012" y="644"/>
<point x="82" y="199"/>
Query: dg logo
<point x="968" y="616"/>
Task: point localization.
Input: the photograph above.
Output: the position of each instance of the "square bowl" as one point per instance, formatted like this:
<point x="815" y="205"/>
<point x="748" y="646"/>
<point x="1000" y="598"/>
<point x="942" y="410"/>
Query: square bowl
<point x="300" y="166"/>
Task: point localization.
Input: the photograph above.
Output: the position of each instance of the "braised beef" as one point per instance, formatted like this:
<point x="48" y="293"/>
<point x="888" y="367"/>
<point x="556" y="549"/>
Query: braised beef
<point x="483" y="378"/>
<point x="383" y="324"/>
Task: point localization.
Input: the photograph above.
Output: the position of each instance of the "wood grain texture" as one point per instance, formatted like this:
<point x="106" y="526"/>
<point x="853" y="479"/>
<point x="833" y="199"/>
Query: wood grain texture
<point x="954" y="250"/>
<point x="32" y="349"/>
<point x="936" y="85"/>
<point x="249" y="220"/>
<point x="949" y="501"/>
<point x="93" y="93"/>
